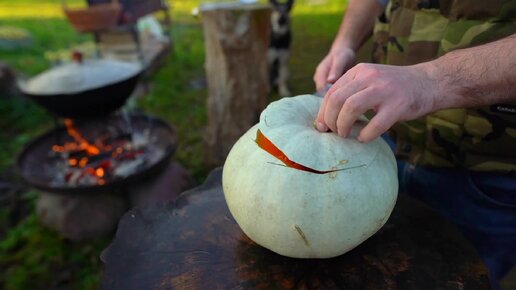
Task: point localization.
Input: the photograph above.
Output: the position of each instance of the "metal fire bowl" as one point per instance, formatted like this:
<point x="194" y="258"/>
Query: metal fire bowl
<point x="35" y="165"/>
<point x="91" y="103"/>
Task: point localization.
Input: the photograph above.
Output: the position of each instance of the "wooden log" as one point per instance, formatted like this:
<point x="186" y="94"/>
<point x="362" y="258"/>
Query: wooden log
<point x="194" y="243"/>
<point x="236" y="39"/>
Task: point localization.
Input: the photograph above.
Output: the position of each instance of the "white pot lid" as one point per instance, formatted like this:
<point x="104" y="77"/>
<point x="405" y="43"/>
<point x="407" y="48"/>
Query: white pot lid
<point x="77" y="77"/>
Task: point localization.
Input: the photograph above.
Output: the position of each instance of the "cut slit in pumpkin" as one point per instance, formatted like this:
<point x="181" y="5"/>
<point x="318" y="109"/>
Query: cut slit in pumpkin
<point x="267" y="145"/>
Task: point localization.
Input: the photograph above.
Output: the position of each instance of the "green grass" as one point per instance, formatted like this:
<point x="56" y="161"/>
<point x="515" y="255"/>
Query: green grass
<point x="32" y="257"/>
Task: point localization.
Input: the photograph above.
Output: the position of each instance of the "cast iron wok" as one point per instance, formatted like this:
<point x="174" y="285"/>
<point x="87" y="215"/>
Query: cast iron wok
<point x="92" y="103"/>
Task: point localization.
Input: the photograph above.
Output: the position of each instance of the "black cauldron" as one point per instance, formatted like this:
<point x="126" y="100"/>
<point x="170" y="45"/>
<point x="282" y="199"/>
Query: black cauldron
<point x="106" y="96"/>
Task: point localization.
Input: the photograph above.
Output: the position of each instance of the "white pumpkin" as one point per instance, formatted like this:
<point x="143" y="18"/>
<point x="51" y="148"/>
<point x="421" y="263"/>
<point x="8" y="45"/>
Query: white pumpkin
<point x="302" y="214"/>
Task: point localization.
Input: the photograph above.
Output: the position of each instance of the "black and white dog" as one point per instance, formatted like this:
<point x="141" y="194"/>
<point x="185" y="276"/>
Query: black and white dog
<point x="279" y="50"/>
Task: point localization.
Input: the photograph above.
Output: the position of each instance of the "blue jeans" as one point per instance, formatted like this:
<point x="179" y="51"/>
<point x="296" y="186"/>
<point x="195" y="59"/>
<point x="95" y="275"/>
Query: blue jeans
<point x="481" y="205"/>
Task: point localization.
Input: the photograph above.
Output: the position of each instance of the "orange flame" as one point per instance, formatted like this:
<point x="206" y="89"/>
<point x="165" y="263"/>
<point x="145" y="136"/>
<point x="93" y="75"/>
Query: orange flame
<point x="58" y="148"/>
<point x="80" y="151"/>
<point x="100" y="172"/>
<point x="83" y="143"/>
<point x="83" y="162"/>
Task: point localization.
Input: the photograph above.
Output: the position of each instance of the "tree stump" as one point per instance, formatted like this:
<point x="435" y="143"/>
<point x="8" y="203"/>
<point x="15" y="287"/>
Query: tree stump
<point x="237" y="39"/>
<point x="194" y="243"/>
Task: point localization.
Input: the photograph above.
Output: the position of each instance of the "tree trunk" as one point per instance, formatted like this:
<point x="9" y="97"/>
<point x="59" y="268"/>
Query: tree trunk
<point x="194" y="243"/>
<point x="237" y="40"/>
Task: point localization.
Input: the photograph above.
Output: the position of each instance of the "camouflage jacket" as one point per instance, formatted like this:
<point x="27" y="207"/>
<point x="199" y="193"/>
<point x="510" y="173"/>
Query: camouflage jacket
<point x="413" y="31"/>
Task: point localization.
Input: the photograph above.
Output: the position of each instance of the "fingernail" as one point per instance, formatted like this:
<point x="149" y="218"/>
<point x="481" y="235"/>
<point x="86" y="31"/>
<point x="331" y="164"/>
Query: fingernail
<point x="321" y="127"/>
<point x="344" y="134"/>
<point x="360" y="139"/>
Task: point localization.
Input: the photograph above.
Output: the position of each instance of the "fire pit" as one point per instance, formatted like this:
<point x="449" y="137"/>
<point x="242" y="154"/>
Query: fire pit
<point x="97" y="155"/>
<point x="88" y="170"/>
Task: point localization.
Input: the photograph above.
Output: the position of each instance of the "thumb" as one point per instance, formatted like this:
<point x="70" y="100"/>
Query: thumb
<point x="336" y="70"/>
<point x="321" y="74"/>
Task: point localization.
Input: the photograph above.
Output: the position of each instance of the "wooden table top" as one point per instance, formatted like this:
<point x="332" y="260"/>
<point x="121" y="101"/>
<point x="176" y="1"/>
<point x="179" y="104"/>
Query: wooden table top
<point x="194" y="243"/>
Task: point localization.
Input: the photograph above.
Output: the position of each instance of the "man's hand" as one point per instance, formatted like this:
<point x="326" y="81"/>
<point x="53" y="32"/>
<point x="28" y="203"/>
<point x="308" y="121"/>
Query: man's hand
<point x="394" y="93"/>
<point x="333" y="66"/>
<point x="356" y="27"/>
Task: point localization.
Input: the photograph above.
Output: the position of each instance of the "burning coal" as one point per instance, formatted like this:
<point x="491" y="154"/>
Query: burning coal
<point x="107" y="153"/>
